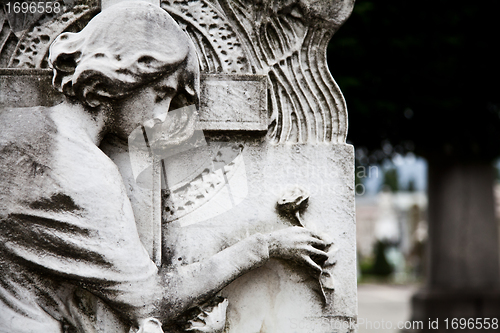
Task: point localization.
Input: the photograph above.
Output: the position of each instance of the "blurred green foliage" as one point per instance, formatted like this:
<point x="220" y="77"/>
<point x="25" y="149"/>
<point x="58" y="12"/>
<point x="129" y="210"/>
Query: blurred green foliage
<point x="377" y="266"/>
<point x="391" y="181"/>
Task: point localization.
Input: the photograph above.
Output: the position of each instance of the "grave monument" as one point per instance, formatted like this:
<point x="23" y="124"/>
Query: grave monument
<point x="241" y="197"/>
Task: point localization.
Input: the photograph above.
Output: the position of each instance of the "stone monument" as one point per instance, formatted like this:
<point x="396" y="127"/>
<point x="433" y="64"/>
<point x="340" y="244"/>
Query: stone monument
<point x="242" y="194"/>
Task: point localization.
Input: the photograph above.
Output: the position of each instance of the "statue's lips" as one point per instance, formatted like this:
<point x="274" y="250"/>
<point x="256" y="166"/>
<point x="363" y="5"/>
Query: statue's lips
<point x="161" y="136"/>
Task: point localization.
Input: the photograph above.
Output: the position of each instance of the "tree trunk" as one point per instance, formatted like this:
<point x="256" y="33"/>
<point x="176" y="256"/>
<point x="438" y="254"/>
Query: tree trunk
<point x="463" y="277"/>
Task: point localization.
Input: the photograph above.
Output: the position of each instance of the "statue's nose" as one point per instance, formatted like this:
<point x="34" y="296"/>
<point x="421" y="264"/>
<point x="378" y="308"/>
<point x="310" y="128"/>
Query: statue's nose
<point x="160" y="110"/>
<point x="159" y="117"/>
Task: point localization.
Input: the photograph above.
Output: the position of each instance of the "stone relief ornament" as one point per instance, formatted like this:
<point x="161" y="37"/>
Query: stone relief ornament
<point x="285" y="40"/>
<point x="293" y="201"/>
<point x="291" y="204"/>
<point x="26" y="45"/>
<point x="118" y="215"/>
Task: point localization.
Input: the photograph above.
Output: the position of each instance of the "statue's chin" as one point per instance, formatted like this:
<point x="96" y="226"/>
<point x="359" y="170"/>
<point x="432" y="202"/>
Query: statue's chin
<point x="173" y="132"/>
<point x="159" y="138"/>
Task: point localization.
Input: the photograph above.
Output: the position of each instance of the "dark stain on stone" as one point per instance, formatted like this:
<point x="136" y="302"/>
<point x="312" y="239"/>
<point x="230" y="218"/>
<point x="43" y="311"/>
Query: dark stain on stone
<point x="50" y="237"/>
<point x="57" y="202"/>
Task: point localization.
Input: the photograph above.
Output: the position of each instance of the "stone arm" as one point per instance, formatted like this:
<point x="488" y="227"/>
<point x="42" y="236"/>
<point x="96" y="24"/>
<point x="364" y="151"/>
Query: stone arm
<point x="74" y="223"/>
<point x="193" y="284"/>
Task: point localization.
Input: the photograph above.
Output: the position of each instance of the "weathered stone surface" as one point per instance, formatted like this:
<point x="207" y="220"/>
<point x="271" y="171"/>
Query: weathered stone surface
<point x="27" y="46"/>
<point x="234" y="102"/>
<point x="23" y="88"/>
<point x="108" y="3"/>
<point x="229" y="259"/>
<point x="278" y="297"/>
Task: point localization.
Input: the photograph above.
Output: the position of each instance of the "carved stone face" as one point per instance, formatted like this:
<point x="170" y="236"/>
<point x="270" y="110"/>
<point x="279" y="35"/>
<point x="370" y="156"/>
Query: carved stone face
<point x="156" y="111"/>
<point x="147" y="106"/>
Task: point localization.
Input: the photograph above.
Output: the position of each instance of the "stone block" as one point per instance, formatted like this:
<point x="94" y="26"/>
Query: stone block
<point x="280" y="296"/>
<point x="27" y="87"/>
<point x="234" y="102"/>
<point x="227" y="102"/>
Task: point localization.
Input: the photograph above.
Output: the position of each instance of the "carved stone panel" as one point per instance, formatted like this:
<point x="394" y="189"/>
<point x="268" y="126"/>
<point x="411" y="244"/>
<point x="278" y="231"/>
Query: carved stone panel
<point x="242" y="200"/>
<point x="234" y="102"/>
<point x="286" y="41"/>
<point x="23" y="88"/>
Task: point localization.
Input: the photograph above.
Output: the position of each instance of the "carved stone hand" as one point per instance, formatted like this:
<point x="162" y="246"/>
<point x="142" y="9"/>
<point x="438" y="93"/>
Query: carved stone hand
<point x="292" y="202"/>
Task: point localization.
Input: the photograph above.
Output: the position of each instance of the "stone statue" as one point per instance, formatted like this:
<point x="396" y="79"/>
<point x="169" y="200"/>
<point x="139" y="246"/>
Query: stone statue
<point x="67" y="229"/>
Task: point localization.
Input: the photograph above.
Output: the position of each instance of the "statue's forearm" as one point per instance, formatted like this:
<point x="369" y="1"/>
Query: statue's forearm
<point x="195" y="283"/>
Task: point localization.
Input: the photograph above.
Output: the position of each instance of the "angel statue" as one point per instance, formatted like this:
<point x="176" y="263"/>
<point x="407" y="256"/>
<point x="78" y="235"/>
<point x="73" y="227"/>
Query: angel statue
<point x="67" y="229"/>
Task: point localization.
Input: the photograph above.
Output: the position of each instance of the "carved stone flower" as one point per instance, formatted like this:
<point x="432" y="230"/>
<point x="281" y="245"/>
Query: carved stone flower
<point x="211" y="317"/>
<point x="292" y="202"/>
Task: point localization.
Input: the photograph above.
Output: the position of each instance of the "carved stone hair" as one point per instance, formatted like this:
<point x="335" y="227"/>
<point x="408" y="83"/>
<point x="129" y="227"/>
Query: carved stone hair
<point x="121" y="49"/>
